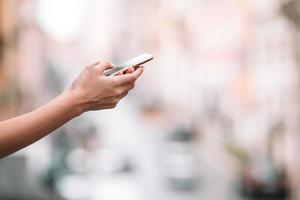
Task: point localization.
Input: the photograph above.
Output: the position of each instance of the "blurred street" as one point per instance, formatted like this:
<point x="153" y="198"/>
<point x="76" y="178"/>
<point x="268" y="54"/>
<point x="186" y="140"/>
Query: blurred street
<point x="215" y="114"/>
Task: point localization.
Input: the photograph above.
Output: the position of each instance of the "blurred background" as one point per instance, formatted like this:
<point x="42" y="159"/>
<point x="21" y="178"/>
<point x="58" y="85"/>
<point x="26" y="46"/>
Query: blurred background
<point x="214" y="116"/>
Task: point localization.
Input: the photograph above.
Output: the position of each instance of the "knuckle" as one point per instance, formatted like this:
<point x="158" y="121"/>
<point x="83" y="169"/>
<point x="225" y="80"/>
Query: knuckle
<point x="118" y="92"/>
<point x="132" y="79"/>
<point x="89" y="67"/>
<point x="131" y="86"/>
<point x="135" y="76"/>
<point x="115" y="100"/>
<point x="113" y="105"/>
<point x="105" y="63"/>
<point x="114" y="91"/>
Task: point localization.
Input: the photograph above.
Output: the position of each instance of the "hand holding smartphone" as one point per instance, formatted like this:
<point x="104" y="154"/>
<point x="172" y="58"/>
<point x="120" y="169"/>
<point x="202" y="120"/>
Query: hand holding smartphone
<point x="135" y="62"/>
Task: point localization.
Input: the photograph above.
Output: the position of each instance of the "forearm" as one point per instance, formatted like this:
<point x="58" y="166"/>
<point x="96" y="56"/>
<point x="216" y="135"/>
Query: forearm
<point x="26" y="129"/>
<point x="91" y="90"/>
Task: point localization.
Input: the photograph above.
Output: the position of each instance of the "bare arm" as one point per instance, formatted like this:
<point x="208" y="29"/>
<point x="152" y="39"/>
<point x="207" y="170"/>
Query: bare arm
<point x="90" y="91"/>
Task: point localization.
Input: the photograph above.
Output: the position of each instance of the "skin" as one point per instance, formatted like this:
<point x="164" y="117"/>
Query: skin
<point x="90" y="91"/>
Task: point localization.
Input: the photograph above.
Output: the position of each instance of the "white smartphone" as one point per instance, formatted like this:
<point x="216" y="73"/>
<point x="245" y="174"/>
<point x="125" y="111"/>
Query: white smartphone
<point x="135" y="62"/>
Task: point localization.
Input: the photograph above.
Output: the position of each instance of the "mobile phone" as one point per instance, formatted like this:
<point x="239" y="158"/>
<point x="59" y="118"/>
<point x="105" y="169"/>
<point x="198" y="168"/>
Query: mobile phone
<point x="134" y="62"/>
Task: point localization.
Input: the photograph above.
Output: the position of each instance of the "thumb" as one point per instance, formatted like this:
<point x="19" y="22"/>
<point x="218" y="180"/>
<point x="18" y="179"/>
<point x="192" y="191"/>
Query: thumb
<point x="126" y="78"/>
<point x="101" y="67"/>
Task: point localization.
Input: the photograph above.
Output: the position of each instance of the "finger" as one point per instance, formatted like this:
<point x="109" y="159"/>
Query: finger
<point x="112" y="99"/>
<point x="120" y="73"/>
<point x="127" y="78"/>
<point x="109" y="102"/>
<point x="102" y="107"/>
<point x="128" y="86"/>
<point x="122" y="95"/>
<point x="130" y="70"/>
<point x="89" y="67"/>
<point x="116" y="99"/>
<point x="101" y="67"/>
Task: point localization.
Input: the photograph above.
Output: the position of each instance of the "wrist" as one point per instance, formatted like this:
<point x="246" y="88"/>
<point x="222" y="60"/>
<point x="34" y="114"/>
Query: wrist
<point x="73" y="100"/>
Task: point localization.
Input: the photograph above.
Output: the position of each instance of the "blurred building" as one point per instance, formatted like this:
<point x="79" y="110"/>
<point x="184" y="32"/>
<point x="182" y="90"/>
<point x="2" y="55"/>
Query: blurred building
<point x="215" y="115"/>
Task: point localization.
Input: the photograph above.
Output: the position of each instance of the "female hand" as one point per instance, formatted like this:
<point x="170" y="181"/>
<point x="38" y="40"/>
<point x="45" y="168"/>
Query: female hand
<point x="94" y="91"/>
<point x="90" y="91"/>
